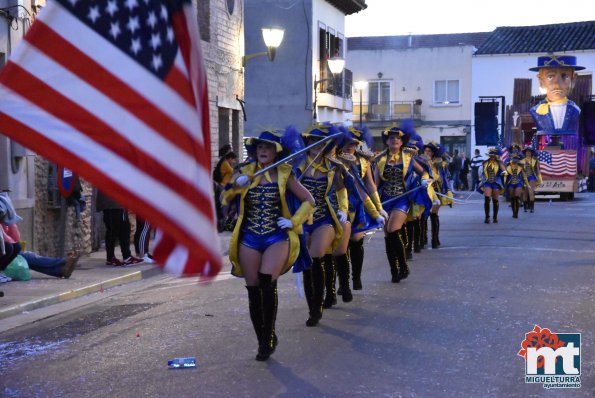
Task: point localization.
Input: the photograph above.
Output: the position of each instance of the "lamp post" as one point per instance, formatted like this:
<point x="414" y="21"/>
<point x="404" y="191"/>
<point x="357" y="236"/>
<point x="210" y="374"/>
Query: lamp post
<point x="360" y="86"/>
<point x="272" y="39"/>
<point x="336" y="66"/>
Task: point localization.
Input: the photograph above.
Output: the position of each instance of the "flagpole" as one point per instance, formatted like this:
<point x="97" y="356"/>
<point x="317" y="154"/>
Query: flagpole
<point x="294" y="155"/>
<point x="401" y="195"/>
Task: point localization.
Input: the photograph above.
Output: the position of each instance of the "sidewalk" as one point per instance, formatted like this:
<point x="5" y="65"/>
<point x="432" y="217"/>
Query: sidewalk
<point x="90" y="276"/>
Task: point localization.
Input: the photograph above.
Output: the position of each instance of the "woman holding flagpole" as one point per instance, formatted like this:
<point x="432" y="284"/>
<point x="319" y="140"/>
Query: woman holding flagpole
<point x="265" y="240"/>
<point x="319" y="175"/>
<point x="533" y="173"/>
<point x="395" y="174"/>
<point x="434" y="152"/>
<point x="492" y="182"/>
<point x="365" y="209"/>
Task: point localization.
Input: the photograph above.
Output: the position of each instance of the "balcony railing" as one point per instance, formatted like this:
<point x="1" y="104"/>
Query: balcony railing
<point x="340" y="85"/>
<point x="393" y="110"/>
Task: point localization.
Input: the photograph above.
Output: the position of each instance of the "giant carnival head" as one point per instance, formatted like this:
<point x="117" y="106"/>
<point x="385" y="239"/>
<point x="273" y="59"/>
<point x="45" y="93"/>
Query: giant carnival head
<point x="556" y="74"/>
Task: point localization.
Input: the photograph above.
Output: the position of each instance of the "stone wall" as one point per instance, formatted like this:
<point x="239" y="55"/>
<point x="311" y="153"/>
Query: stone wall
<point x="54" y="221"/>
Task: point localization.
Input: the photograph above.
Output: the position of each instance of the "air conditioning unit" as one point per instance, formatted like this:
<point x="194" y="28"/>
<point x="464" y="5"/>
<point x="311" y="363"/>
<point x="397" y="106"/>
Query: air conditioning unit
<point x="18" y="9"/>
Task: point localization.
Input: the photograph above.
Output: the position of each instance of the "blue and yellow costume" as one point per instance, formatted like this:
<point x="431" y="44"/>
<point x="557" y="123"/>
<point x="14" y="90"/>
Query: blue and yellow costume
<point x="439" y="172"/>
<point x="260" y="207"/>
<point x="363" y="213"/>
<point x="515" y="181"/>
<point x="395" y="179"/>
<point x="329" y="201"/>
<point x="533" y="173"/>
<point x="492" y="178"/>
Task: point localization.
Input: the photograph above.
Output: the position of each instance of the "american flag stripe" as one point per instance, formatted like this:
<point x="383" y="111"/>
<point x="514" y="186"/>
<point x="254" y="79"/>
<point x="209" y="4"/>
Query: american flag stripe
<point x="43" y="131"/>
<point x="83" y="120"/>
<point x="117" y="83"/>
<point x="128" y="126"/>
<point x="559" y="165"/>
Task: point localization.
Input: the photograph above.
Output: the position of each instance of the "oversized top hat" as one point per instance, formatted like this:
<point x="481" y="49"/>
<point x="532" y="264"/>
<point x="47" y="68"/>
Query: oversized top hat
<point x="395" y="130"/>
<point x="320" y="130"/>
<point x="516" y="157"/>
<point x="556" y="61"/>
<point x="436" y="148"/>
<point x="268" y="136"/>
<point x="356" y="135"/>
<point x="494" y="152"/>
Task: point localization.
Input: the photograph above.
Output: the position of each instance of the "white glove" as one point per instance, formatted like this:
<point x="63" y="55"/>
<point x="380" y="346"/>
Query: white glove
<point x="380" y="220"/>
<point x="342" y="217"/>
<point x="284" y="223"/>
<point x="425" y="183"/>
<point x="242" y="181"/>
<point x="436" y="202"/>
<point x="384" y="214"/>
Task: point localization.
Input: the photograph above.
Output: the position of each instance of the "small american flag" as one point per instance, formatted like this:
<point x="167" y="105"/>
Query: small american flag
<point x="504" y="155"/>
<point x="115" y="90"/>
<point x="557" y="164"/>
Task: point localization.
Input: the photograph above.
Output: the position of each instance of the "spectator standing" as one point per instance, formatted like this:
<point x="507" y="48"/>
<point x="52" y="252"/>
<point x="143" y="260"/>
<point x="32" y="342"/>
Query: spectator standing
<point x="221" y="177"/>
<point x="142" y="237"/>
<point x="476" y="162"/>
<point x="464" y="172"/>
<point x="455" y="170"/>
<point x="117" y="226"/>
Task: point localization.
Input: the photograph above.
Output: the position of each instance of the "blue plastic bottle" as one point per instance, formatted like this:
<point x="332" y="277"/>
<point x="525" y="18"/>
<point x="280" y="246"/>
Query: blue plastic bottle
<point x="182" y="363"/>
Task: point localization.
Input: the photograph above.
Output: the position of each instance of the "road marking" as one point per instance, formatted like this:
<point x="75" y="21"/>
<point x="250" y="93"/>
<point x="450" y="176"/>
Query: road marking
<point x="181" y="282"/>
<point x="524" y="248"/>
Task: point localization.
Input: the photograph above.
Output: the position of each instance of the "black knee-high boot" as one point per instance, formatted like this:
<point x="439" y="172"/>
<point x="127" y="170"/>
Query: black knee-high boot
<point x="496" y="204"/>
<point x="268" y="342"/>
<point x="399" y="250"/>
<point x="417" y="235"/>
<point x="391" y="255"/>
<point x="408" y="234"/>
<point x="434" y="220"/>
<point x="356" y="254"/>
<point x="256" y="315"/>
<point x="424" y="231"/>
<point x="330" y="274"/>
<point x="515" y="207"/>
<point x="343" y="271"/>
<point x="438" y="229"/>
<point x="315" y="290"/>
<point x="486" y="208"/>
<point x="531" y="206"/>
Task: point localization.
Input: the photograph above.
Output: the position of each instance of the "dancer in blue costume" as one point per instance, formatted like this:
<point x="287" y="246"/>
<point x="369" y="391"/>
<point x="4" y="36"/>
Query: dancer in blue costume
<point x="265" y="240"/>
<point x="491" y="182"/>
<point x="396" y="176"/>
<point x="319" y="175"/>
<point x="533" y="172"/>
<point x="515" y="181"/>
<point x="434" y="152"/>
<point x="365" y="213"/>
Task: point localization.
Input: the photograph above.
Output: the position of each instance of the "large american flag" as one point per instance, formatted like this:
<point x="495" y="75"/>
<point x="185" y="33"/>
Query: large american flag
<point x="557" y="164"/>
<point x="116" y="91"/>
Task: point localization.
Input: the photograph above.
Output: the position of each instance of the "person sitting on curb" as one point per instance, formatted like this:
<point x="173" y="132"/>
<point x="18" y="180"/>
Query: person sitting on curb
<point x="10" y="235"/>
<point x="60" y="267"/>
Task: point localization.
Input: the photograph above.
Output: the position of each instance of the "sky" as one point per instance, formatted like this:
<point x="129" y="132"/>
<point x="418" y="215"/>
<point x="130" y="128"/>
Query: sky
<point x="418" y="17"/>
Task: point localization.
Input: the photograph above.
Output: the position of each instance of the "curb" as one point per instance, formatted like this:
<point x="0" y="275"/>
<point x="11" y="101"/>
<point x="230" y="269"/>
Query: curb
<point x="83" y="291"/>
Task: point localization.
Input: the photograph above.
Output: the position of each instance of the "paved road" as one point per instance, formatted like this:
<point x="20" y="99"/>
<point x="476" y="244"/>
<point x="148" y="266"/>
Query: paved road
<point x="452" y="329"/>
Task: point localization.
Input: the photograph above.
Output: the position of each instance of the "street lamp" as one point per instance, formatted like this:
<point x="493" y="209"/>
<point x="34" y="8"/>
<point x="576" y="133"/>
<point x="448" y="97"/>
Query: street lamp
<point x="360" y="86"/>
<point x="272" y="39"/>
<point x="336" y="66"/>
